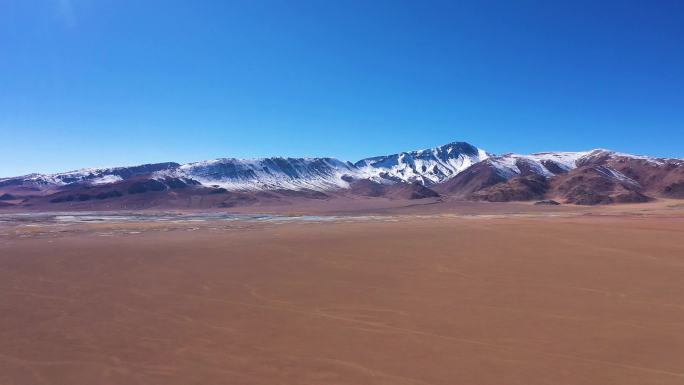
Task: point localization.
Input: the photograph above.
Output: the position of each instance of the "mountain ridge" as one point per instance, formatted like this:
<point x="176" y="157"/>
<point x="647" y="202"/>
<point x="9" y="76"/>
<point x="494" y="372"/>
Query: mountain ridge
<point x="456" y="170"/>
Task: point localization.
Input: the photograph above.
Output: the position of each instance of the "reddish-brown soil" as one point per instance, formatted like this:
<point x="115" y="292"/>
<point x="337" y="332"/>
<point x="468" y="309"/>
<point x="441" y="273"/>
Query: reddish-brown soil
<point x="573" y="299"/>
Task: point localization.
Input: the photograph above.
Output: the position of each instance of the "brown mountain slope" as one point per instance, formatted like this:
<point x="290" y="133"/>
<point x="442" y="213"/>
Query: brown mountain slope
<point x="657" y="176"/>
<point x="601" y="177"/>
<point x="590" y="185"/>
<point x="523" y="188"/>
<point x="370" y="188"/>
<point x="587" y="185"/>
<point x="475" y="178"/>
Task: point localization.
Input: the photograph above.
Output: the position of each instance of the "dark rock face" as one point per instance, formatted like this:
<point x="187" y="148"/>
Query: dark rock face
<point x="416" y="191"/>
<point x="553" y="167"/>
<point x="368" y="188"/>
<point x="311" y="194"/>
<point x="219" y="190"/>
<point x="174" y="183"/>
<point x="549" y="202"/>
<point x="526" y="168"/>
<point x="238" y="200"/>
<point x="581" y="195"/>
<point x="63" y="198"/>
<point x="108" y="194"/>
<point x="392" y="191"/>
<point x="84" y="197"/>
<point x="674" y="190"/>
<point x="145" y="186"/>
<point x="630" y="197"/>
<point x="7" y="197"/>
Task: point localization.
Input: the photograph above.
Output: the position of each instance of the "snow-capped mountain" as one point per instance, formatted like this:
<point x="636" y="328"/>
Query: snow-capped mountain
<point x="549" y="164"/>
<point x="592" y="177"/>
<point x="270" y="173"/>
<point x="93" y="176"/>
<point x="429" y="166"/>
<point x="458" y="170"/>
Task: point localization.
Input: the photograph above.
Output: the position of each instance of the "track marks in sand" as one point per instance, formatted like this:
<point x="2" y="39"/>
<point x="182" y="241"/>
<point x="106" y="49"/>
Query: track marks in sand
<point x="374" y="373"/>
<point x="475" y="342"/>
<point x="253" y="292"/>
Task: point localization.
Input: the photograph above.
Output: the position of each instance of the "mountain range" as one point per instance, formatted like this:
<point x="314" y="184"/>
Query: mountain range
<point x="455" y="171"/>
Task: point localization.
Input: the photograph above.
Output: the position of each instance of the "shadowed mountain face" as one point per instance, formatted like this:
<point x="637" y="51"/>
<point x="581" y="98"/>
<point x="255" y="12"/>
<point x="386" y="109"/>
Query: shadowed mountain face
<point x="456" y="170"/>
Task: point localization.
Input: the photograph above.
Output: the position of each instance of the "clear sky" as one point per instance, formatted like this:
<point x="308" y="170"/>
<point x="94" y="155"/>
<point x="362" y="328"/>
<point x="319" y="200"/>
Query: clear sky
<point x="116" y="82"/>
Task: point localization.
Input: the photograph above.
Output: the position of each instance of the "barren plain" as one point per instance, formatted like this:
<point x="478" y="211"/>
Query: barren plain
<point x="514" y="295"/>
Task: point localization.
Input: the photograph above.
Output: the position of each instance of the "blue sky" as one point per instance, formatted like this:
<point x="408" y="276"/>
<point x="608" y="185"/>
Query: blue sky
<point x="100" y="83"/>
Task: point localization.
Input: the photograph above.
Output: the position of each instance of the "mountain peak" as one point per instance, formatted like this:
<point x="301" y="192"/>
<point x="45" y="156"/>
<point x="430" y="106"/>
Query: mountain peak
<point x="427" y="166"/>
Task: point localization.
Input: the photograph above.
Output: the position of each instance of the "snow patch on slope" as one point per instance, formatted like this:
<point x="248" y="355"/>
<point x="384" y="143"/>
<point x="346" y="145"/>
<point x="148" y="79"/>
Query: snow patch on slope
<point x="611" y="173"/>
<point x="541" y="163"/>
<point x="106" y="179"/>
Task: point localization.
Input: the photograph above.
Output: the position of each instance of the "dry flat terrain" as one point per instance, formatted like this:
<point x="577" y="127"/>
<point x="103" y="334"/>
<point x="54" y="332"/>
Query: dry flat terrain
<point x="570" y="299"/>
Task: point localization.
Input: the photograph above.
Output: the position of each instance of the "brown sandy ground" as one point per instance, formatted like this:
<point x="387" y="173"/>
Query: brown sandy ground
<point x="407" y="300"/>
